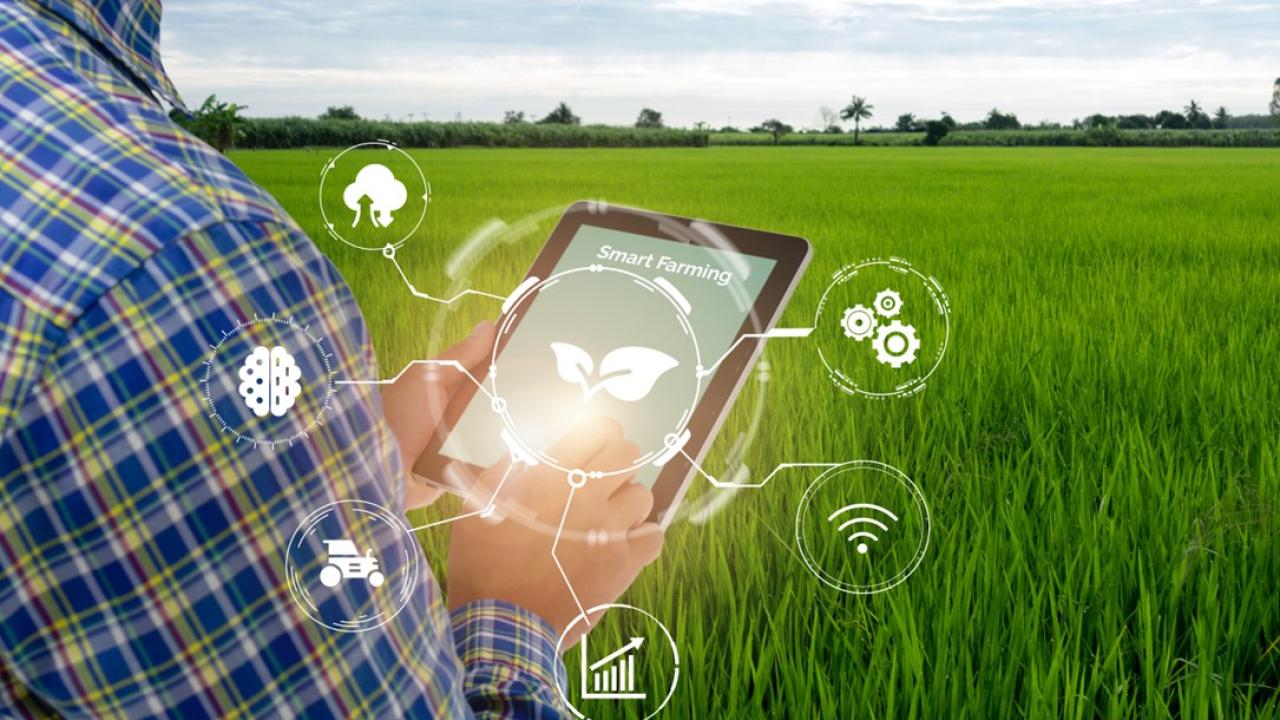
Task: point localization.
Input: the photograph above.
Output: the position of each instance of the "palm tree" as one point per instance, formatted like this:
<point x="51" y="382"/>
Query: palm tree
<point x="857" y="110"/>
<point x="1275" y="100"/>
<point x="1195" y="115"/>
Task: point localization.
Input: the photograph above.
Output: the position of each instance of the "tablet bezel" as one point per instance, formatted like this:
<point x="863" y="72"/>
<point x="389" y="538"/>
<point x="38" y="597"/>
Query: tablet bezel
<point x="790" y="254"/>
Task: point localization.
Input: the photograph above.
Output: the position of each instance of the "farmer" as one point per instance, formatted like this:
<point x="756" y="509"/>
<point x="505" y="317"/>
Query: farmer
<point x="142" y="549"/>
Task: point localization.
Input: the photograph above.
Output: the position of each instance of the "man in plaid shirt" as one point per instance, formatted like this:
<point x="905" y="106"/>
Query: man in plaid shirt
<point x="142" y="545"/>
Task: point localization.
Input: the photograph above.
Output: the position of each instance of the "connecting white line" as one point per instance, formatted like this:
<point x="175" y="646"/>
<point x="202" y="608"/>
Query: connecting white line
<point x="762" y="483"/>
<point x="555" y="545"/>
<point x="482" y="512"/>
<point x="427" y="296"/>
<point x="441" y="363"/>
<point x="774" y="333"/>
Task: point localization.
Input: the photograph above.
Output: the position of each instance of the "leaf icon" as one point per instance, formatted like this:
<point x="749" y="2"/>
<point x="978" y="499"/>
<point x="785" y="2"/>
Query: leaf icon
<point x="627" y="373"/>
<point x="630" y="372"/>
<point x="574" y="365"/>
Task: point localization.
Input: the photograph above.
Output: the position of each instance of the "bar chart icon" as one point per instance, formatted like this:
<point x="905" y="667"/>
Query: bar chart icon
<point x="612" y="677"/>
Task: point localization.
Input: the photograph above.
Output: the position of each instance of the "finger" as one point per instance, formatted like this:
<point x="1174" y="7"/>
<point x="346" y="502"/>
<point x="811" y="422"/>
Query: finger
<point x="487" y="484"/>
<point x="418" y="494"/>
<point x="475" y="348"/>
<point x="585" y="441"/>
<point x="475" y="351"/>
<point x="645" y="542"/>
<point x="629" y="506"/>
<point x="618" y="455"/>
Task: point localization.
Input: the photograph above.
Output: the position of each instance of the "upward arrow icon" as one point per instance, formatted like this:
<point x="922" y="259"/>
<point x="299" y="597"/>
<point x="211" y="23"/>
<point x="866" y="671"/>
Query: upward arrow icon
<point x="635" y="644"/>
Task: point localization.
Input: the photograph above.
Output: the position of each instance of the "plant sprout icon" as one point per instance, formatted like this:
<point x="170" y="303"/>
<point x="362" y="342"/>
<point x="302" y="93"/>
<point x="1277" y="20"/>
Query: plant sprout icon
<point x="627" y="373"/>
<point x="384" y="192"/>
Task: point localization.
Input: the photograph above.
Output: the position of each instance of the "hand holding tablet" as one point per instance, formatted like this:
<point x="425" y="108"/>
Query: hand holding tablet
<point x="511" y="561"/>
<point x="648" y="319"/>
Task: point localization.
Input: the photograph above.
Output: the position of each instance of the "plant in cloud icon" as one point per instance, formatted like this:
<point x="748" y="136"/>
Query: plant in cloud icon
<point x="346" y="563"/>
<point x="376" y="186"/>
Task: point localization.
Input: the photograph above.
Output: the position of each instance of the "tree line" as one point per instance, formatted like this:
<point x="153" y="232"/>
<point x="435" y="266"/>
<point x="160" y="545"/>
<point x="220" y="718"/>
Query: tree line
<point x="1192" y="116"/>
<point x="223" y="125"/>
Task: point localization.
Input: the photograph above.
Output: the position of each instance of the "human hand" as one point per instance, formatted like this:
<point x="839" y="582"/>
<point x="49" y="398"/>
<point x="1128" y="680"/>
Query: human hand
<point x="510" y="558"/>
<point x="414" y="404"/>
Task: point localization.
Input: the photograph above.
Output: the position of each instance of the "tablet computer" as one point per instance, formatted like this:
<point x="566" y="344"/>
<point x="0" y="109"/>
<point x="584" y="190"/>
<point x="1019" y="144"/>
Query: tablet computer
<point x="647" y="318"/>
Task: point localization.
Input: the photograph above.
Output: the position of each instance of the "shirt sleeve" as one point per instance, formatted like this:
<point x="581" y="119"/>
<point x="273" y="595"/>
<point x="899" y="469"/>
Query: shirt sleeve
<point x="510" y="658"/>
<point x="146" y="524"/>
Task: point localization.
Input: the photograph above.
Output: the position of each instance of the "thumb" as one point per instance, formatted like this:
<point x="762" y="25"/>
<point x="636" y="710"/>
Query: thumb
<point x="472" y="352"/>
<point x="646" y="542"/>
<point x="474" y="348"/>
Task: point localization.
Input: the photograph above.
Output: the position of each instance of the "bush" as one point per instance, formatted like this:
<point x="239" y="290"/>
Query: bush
<point x="340" y="112"/>
<point x="934" y="131"/>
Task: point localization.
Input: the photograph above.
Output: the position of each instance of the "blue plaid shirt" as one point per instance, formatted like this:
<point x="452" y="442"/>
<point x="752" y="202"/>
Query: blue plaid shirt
<point x="142" y="545"/>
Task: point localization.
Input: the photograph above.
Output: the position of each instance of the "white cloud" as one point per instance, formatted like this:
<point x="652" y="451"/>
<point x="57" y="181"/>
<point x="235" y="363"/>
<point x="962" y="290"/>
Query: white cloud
<point x="843" y="8"/>
<point x="744" y="86"/>
<point x="716" y="59"/>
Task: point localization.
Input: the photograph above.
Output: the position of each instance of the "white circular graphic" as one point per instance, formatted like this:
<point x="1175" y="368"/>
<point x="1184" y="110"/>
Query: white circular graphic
<point x="615" y="672"/>
<point x="373" y="196"/>
<point x="882" y="328"/>
<point x="268" y="381"/>
<point x="352" y="565"/>
<point x="863" y="527"/>
<point x="592" y="365"/>
<point x="472" y="267"/>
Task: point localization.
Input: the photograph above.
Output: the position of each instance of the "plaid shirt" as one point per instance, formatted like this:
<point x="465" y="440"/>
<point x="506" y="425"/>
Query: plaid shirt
<point x="142" y="547"/>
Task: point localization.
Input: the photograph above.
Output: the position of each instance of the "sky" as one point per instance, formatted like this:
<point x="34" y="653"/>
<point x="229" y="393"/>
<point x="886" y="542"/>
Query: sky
<point x="724" y="61"/>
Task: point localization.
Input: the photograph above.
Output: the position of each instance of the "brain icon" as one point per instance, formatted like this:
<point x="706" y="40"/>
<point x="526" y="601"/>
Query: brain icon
<point x="385" y="193"/>
<point x="269" y="381"/>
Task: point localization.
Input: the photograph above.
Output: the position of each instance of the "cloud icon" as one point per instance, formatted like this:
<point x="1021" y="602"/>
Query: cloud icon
<point x="385" y="193"/>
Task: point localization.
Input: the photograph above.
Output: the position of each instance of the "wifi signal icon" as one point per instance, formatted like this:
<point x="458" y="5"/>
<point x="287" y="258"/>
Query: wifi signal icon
<point x="861" y="525"/>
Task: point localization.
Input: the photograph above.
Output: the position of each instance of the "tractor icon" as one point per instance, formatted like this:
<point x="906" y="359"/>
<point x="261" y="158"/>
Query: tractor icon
<point x="345" y="562"/>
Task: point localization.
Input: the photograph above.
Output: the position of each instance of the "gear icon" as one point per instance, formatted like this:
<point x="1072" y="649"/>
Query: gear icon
<point x="888" y="302"/>
<point x="859" y="322"/>
<point x="895" y="343"/>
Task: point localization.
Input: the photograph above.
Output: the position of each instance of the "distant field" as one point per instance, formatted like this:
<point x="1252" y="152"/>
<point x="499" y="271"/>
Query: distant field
<point x="1100" y="448"/>
<point x="298" y="132"/>
<point x="1030" y="137"/>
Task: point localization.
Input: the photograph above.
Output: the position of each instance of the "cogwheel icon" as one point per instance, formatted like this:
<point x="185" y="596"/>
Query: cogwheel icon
<point x="888" y="302"/>
<point x="859" y="322"/>
<point x="895" y="344"/>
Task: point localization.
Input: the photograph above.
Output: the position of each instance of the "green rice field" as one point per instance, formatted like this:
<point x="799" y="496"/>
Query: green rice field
<point x="1100" y="447"/>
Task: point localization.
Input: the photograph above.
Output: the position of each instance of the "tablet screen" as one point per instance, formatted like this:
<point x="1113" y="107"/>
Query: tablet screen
<point x="721" y="287"/>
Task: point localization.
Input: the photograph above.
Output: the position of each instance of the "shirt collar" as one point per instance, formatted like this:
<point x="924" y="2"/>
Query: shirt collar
<point x="129" y="30"/>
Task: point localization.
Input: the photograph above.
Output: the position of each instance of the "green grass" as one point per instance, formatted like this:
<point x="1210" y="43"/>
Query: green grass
<point x="1099" y="447"/>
